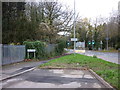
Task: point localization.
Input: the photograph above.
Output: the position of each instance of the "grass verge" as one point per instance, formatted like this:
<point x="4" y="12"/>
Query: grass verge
<point x="111" y="51"/>
<point x="107" y="70"/>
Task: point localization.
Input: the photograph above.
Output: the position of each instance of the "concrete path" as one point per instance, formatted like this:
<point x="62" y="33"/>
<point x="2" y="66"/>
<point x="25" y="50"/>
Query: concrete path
<point x="12" y="69"/>
<point x="54" y="78"/>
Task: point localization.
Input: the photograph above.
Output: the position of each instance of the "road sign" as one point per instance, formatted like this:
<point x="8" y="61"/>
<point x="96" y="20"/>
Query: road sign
<point x="80" y="44"/>
<point x="74" y="39"/>
<point x="31" y="50"/>
<point x="107" y="38"/>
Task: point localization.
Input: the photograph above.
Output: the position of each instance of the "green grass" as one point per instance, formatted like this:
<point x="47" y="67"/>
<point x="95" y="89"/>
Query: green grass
<point x="105" y="69"/>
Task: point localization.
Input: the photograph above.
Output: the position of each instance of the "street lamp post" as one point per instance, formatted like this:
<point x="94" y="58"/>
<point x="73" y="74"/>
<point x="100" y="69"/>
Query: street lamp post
<point x="74" y="28"/>
<point x="107" y="38"/>
<point x="107" y="32"/>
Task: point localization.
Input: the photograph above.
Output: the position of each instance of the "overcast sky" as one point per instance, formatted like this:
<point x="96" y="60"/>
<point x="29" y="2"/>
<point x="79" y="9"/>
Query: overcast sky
<point x="92" y="8"/>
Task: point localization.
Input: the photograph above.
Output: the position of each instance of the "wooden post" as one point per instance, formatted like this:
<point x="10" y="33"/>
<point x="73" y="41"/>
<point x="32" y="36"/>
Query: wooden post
<point x="28" y="54"/>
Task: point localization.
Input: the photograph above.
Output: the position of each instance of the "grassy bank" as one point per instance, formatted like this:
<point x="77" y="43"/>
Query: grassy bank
<point x="107" y="70"/>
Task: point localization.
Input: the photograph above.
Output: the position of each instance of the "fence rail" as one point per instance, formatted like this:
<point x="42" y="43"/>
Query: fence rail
<point x="12" y="53"/>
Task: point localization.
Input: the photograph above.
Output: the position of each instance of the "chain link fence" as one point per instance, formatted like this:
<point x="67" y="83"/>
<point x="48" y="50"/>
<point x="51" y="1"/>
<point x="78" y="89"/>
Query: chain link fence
<point x="50" y="48"/>
<point x="12" y="53"/>
<point x="16" y="53"/>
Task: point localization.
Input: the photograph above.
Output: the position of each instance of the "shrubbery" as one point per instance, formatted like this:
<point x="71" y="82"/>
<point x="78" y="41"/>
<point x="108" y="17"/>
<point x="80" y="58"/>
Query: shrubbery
<point x="41" y="53"/>
<point x="94" y="56"/>
<point x="60" y="47"/>
<point x="38" y="46"/>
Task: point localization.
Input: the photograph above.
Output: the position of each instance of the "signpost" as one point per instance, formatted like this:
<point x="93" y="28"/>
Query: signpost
<point x="80" y="44"/>
<point x="31" y="50"/>
<point x="74" y="39"/>
<point x="74" y="28"/>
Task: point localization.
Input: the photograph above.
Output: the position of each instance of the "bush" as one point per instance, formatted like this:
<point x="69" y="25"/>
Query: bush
<point x="94" y="56"/>
<point x="38" y="46"/>
<point x="60" y="47"/>
<point x="41" y="52"/>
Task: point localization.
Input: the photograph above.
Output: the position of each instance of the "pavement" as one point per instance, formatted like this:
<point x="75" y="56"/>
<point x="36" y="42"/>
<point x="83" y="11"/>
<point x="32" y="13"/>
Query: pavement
<point x="13" y="69"/>
<point x="54" y="78"/>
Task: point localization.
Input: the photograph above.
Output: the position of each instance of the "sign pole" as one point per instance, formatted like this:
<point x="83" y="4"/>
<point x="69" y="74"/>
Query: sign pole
<point x="31" y="50"/>
<point x="34" y="54"/>
<point x="74" y="28"/>
<point x="28" y="54"/>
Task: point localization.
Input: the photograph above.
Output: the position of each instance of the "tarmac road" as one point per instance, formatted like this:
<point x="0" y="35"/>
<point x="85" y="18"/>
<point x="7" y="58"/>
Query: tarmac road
<point x="54" y="78"/>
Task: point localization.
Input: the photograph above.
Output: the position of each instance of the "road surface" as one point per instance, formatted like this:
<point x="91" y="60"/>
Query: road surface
<point x="54" y="78"/>
<point x="108" y="56"/>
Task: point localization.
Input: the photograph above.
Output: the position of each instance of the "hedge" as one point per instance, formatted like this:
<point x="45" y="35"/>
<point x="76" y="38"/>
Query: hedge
<point x="38" y="46"/>
<point x="40" y="49"/>
<point x="60" y="47"/>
